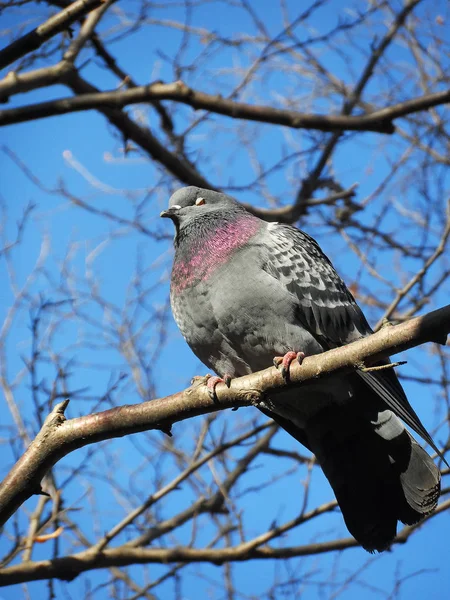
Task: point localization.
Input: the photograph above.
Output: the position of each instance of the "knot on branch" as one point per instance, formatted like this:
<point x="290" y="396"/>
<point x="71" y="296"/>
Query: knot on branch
<point x="57" y="416"/>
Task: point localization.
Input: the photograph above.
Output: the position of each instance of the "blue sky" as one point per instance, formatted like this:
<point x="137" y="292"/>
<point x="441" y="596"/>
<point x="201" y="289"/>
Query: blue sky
<point x="82" y="152"/>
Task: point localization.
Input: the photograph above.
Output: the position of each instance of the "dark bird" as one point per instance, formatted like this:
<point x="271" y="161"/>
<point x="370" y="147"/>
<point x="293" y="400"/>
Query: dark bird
<point x="243" y="291"/>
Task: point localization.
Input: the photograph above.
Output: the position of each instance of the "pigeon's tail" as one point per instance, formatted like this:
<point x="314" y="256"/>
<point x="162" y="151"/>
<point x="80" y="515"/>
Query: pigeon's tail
<point x="379" y="473"/>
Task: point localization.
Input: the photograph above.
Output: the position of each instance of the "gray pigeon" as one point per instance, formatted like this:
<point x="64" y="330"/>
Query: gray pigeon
<point x="244" y="290"/>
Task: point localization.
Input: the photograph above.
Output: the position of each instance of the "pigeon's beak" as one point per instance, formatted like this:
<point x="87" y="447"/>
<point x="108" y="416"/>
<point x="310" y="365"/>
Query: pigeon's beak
<point x="171" y="212"/>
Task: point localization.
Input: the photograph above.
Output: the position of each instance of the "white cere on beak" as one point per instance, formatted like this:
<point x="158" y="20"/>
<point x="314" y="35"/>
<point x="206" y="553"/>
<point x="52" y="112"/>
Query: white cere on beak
<point x="177" y="206"/>
<point x="200" y="201"/>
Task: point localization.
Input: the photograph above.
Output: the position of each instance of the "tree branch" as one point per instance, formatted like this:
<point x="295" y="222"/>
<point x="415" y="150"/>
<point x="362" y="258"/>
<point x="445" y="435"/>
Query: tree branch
<point x="180" y="92"/>
<point x="309" y="184"/>
<point x="288" y="214"/>
<point x="69" y="567"/>
<point x="59" y="436"/>
<point x="57" y="23"/>
<point x="142" y="136"/>
<point x="379" y="121"/>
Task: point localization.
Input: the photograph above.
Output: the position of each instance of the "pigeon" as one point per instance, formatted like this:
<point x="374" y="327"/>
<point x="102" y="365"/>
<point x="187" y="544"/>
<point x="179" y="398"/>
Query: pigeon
<point x="244" y="291"/>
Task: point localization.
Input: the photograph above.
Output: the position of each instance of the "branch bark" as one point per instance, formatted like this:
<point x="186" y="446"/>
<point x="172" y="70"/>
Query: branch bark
<point x="60" y="436"/>
<point x="69" y="567"/>
<point x="57" y="23"/>
<point x="180" y="92"/>
<point x="379" y="121"/>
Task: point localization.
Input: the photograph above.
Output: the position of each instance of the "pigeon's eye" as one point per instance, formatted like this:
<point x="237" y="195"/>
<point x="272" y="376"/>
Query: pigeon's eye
<point x="200" y="201"/>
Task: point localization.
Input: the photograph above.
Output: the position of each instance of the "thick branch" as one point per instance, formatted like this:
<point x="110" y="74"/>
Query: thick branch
<point x="57" y="23"/>
<point x="58" y="436"/>
<point x="68" y="567"/>
<point x="379" y="121"/>
<point x="179" y="92"/>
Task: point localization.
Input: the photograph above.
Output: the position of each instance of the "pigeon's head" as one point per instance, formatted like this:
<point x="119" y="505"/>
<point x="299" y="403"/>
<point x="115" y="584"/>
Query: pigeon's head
<point x="191" y="203"/>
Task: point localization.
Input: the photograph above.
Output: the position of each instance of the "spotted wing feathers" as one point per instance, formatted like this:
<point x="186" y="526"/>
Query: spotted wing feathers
<point x="328" y="310"/>
<point x="325" y="305"/>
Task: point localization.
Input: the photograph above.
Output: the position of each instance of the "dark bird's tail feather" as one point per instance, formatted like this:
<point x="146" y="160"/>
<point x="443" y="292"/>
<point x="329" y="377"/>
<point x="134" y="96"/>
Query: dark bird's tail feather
<point x="420" y="483"/>
<point x="387" y="388"/>
<point x="378" y="479"/>
<point x="378" y="472"/>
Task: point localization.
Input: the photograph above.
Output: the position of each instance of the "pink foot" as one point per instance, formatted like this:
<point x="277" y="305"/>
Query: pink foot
<point x="213" y="380"/>
<point x="286" y="360"/>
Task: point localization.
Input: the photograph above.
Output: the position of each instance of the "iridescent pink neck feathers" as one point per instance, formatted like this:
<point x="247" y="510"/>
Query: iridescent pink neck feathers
<point x="211" y="249"/>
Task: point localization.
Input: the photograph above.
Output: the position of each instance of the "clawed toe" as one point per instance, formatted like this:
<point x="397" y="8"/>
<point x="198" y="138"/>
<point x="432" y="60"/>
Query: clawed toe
<point x="213" y="381"/>
<point x="286" y="360"/>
